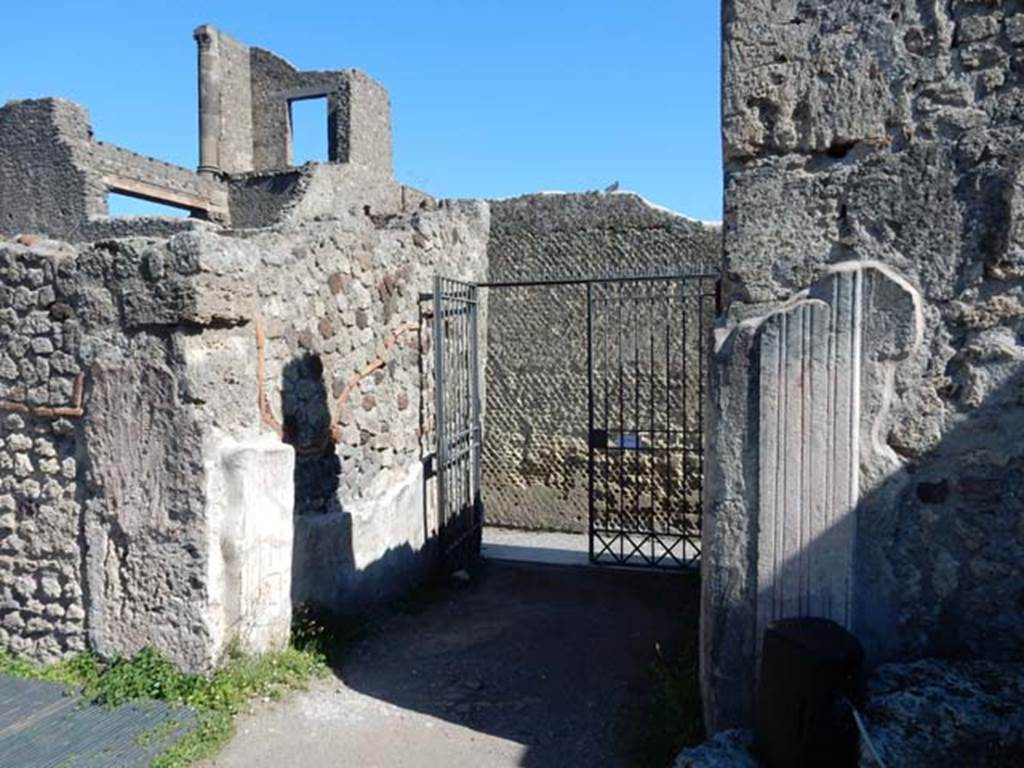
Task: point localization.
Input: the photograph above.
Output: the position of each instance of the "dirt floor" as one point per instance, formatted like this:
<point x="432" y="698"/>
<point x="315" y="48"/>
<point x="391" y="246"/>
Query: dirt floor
<point x="526" y="665"/>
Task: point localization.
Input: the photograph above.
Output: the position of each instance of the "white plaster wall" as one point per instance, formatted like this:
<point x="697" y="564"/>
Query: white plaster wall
<point x="251" y="501"/>
<point x="377" y="546"/>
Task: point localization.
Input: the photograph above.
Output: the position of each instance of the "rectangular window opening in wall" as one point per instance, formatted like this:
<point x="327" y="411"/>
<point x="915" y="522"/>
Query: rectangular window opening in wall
<point x="308" y="123"/>
<point x="122" y="205"/>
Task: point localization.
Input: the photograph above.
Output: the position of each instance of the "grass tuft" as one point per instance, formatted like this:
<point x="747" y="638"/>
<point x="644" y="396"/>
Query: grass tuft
<point x="672" y="719"/>
<point x="216" y="698"/>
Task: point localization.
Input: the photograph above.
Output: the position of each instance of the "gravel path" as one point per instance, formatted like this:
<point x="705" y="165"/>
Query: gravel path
<point x="528" y="665"/>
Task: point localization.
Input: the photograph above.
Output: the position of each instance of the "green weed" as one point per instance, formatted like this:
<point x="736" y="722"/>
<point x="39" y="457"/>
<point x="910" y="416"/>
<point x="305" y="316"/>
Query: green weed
<point x="672" y="719"/>
<point x="216" y="699"/>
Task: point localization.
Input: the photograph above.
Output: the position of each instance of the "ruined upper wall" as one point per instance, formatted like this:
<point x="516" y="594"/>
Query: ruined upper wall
<point x="245" y="97"/>
<point x="55" y="177"/>
<point x="866" y="420"/>
<point x="225" y="103"/>
<point x="41" y="189"/>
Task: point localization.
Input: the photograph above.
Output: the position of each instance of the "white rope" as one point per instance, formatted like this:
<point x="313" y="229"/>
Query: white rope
<point x="864" y="735"/>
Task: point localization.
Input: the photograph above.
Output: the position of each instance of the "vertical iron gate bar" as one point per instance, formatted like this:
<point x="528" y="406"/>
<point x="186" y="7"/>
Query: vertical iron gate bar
<point x="459" y="409"/>
<point x="685" y="416"/>
<point x="464" y="438"/>
<point x="439" y="409"/>
<point x="701" y="391"/>
<point x="651" y="438"/>
<point x="622" y="425"/>
<point x="635" y="426"/>
<point x="590" y="420"/>
<point x="477" y="437"/>
<point x="451" y="401"/>
<point x="605" y="460"/>
<point x="451" y="378"/>
<point x="669" y="495"/>
<point x="458" y="394"/>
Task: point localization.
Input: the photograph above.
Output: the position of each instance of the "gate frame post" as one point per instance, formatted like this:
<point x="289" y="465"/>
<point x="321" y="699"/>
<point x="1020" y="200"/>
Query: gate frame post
<point x="440" y="433"/>
<point x="590" y="421"/>
<point x="476" y="436"/>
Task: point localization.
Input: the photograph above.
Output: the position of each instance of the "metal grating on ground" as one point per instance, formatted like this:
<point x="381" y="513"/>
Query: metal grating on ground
<point x="43" y="725"/>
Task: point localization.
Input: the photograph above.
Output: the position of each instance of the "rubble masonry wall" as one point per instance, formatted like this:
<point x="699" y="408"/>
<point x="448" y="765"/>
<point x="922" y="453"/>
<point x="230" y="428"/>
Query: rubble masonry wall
<point x="159" y="509"/>
<point x="866" y="414"/>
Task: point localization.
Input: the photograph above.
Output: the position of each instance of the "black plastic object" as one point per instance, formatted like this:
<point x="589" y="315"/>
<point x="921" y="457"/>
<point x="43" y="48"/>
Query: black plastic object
<point x="808" y="668"/>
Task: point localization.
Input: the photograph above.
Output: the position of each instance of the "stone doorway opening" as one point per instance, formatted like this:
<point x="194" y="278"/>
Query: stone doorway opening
<point x="623" y="433"/>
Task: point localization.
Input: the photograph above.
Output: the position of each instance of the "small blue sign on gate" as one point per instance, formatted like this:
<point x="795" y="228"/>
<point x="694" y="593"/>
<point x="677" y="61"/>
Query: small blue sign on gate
<point x="630" y="441"/>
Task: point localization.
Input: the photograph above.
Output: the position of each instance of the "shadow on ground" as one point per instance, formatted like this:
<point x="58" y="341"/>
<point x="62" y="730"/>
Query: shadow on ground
<point x="560" y="660"/>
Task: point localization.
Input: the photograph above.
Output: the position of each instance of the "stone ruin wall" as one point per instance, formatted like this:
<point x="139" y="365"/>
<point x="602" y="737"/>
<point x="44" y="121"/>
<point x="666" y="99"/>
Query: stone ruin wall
<point x="50" y="142"/>
<point x="535" y="451"/>
<point x="167" y="384"/>
<point x="363" y="532"/>
<point x="124" y="515"/>
<point x="356" y="135"/>
<point x="874" y="263"/>
<point x="42" y="590"/>
<point x="120" y="526"/>
<point x="245" y="178"/>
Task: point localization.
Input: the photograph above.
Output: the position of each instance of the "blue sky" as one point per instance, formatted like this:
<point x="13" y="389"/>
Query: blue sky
<point x="489" y="99"/>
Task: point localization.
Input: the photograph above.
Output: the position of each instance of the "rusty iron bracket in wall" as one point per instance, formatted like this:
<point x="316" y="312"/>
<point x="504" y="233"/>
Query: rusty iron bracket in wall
<point x="332" y="434"/>
<point x="266" y="414"/>
<point x="74" y="411"/>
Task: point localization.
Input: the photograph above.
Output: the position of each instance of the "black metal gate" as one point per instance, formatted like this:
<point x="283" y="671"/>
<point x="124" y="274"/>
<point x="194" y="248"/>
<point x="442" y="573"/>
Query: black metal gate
<point x="457" y="421"/>
<point x="646" y="371"/>
<point x="647" y="360"/>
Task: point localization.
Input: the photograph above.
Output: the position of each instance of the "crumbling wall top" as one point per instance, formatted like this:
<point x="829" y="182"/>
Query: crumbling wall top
<point x="245" y="100"/>
<point x="55" y="177"/>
